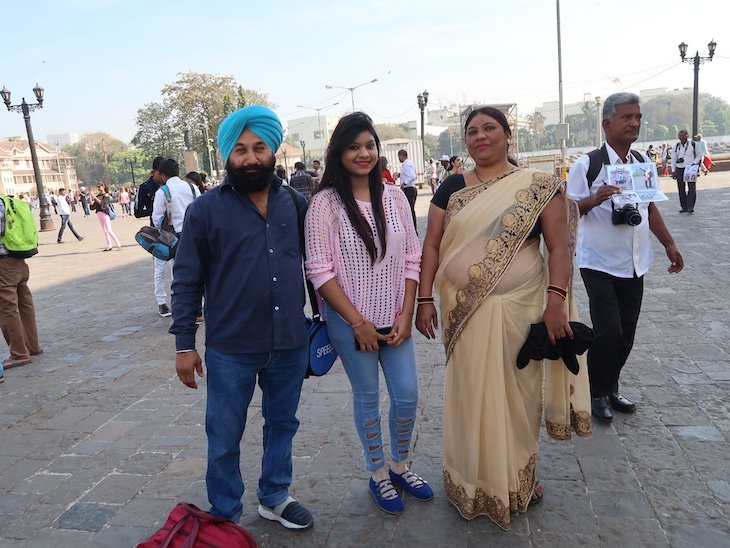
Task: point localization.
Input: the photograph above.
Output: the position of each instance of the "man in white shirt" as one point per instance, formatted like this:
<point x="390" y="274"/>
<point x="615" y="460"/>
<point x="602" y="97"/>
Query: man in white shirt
<point x="171" y="211"/>
<point x="63" y="204"/>
<point x="408" y="182"/>
<point x="686" y="153"/>
<point x="613" y="258"/>
<point x="702" y="149"/>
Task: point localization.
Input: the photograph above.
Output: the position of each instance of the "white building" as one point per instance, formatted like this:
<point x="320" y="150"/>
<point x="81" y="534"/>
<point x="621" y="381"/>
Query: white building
<point x="62" y="139"/>
<point x="312" y="133"/>
<point x="16" y="168"/>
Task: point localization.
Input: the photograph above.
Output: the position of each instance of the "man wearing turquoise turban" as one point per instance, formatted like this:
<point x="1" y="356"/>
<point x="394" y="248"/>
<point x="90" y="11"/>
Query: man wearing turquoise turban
<point x="241" y="249"/>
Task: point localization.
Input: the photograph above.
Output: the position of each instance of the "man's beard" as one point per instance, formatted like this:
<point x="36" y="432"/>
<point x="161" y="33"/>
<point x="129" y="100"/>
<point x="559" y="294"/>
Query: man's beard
<point x="250" y="179"/>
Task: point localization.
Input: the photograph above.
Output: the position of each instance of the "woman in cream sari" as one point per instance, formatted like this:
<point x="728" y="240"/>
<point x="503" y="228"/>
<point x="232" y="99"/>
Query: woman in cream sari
<point x="482" y="253"/>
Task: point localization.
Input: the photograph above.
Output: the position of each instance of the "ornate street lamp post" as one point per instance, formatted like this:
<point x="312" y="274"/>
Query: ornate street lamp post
<point x="304" y="151"/>
<point x="26" y="109"/>
<point x="422" y="99"/>
<point x="696" y="61"/>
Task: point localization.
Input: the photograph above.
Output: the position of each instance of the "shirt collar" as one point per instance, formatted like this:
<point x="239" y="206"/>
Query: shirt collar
<point x="614" y="158"/>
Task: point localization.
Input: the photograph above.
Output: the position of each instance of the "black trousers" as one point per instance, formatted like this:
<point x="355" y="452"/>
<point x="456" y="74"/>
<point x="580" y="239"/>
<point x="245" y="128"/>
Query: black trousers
<point x="411" y="193"/>
<point x="615" y="304"/>
<point x="688" y="196"/>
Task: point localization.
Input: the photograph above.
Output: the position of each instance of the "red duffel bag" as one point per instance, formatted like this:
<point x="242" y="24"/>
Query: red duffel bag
<point x="188" y="526"/>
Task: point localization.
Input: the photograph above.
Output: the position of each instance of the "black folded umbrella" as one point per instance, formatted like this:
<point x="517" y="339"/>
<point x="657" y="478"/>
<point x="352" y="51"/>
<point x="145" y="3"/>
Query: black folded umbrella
<point x="538" y="346"/>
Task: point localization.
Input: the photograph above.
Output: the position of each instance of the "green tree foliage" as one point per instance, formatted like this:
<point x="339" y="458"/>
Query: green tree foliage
<point x="195" y="101"/>
<point x="449" y="142"/>
<point x="430" y="146"/>
<point x="93" y="153"/>
<point x="158" y="132"/>
<point x="675" y="112"/>
<point x="120" y="166"/>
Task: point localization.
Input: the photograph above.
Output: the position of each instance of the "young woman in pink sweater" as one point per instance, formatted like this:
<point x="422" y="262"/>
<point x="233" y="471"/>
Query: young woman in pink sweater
<point x="363" y="256"/>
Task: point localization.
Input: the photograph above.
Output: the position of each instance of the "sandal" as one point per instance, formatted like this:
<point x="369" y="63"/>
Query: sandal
<point x="536" y="498"/>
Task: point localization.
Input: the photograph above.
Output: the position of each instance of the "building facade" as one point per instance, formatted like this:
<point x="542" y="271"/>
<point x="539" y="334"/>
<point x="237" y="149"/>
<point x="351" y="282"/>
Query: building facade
<point x="16" y="168"/>
<point x="313" y="134"/>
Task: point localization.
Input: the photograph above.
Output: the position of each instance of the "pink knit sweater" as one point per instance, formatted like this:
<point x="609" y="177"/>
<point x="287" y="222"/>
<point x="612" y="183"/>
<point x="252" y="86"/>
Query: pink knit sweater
<point x="335" y="250"/>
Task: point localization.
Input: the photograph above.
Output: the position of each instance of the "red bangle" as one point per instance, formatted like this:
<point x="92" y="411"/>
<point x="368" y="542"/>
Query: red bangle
<point x="358" y="324"/>
<point x="551" y="290"/>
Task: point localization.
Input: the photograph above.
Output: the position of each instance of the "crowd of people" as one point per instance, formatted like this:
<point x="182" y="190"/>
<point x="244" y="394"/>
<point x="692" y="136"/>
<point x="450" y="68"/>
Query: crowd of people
<point x="496" y="261"/>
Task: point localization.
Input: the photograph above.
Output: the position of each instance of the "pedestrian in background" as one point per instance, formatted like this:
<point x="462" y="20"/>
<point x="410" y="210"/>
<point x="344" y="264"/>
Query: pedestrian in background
<point x="363" y="257"/>
<point x="64" y="210"/>
<point x="100" y="204"/>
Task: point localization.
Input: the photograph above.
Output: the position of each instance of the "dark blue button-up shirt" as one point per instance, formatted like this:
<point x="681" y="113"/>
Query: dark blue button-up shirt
<point x="249" y="268"/>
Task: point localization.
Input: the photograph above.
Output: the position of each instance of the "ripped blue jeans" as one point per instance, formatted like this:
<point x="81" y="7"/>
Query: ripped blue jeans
<point x="401" y="378"/>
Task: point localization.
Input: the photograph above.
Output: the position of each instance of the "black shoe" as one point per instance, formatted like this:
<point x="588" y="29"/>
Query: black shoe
<point x="289" y="513"/>
<point x="601" y="409"/>
<point x="691" y="210"/>
<point x="683" y="211"/>
<point x="164" y="311"/>
<point x="619" y="403"/>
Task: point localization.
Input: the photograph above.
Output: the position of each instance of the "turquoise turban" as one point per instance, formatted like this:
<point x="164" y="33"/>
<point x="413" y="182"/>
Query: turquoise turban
<point x="261" y="120"/>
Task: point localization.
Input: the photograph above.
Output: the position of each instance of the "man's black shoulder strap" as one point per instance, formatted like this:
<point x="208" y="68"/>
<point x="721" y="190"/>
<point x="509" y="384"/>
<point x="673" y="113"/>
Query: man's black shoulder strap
<point x="598" y="158"/>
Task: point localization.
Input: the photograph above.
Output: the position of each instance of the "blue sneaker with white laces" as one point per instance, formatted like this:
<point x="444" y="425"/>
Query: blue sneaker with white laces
<point x="413" y="484"/>
<point x="386" y="497"/>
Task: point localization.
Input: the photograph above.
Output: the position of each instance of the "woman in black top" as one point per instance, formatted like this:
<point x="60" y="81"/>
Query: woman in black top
<point x="100" y="204"/>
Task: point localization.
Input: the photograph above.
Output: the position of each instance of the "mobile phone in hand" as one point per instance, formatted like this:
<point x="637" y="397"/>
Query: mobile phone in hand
<point x="382" y="331"/>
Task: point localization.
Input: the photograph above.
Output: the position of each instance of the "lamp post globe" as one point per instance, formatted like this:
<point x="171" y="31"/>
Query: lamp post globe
<point x="25" y="109"/>
<point x="696" y="61"/>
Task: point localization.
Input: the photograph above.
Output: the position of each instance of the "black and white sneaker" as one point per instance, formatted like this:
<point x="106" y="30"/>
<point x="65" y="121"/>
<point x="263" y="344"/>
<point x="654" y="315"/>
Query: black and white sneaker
<point x="289" y="513"/>
<point x="164" y="311"/>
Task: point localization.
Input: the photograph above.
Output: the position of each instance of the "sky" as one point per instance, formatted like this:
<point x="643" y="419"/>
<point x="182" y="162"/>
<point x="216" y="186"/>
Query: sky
<point x="101" y="60"/>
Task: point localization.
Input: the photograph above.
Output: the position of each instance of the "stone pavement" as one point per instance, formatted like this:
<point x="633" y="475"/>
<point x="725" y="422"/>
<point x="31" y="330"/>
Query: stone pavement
<point x="99" y="440"/>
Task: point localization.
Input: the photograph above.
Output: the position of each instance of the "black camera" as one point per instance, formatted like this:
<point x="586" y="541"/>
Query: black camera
<point x="627" y="215"/>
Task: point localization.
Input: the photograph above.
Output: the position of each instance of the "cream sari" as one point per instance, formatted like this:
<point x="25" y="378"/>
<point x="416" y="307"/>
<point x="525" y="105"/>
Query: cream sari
<point x="491" y="289"/>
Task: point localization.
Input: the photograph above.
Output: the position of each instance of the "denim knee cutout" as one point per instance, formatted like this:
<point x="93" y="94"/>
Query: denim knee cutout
<point x="373" y="444"/>
<point x="404" y="431"/>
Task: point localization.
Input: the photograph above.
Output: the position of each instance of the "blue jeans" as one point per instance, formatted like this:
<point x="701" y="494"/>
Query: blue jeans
<point x="231" y="382"/>
<point x="401" y="378"/>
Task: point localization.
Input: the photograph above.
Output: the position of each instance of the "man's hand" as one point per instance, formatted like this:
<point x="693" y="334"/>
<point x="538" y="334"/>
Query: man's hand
<point x="186" y="365"/>
<point x="676" y="259"/>
<point x="604" y="192"/>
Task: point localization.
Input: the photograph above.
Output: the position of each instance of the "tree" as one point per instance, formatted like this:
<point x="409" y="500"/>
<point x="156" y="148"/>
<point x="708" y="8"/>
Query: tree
<point x="93" y="152"/>
<point x="449" y="142"/>
<point x="196" y="102"/>
<point x="430" y="146"/>
<point x="158" y="132"/>
<point x="119" y="168"/>
<point x="675" y="110"/>
<point x="536" y="125"/>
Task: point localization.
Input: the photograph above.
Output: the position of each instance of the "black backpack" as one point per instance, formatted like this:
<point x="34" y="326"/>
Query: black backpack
<point x="598" y="158"/>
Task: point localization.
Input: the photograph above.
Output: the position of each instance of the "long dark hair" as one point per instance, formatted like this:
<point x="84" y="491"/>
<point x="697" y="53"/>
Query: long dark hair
<point x="335" y="176"/>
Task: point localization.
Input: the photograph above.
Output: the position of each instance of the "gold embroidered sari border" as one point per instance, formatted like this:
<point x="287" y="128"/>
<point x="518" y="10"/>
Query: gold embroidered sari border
<point x="516" y="223"/>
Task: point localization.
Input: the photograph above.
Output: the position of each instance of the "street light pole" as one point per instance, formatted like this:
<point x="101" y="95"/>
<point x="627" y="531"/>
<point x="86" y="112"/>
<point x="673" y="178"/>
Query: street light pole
<point x="560" y="90"/>
<point x="422" y="100"/>
<point x="696" y="61"/>
<point x="26" y="109"/>
<point x="319" y="124"/>
<point x="304" y="151"/>
<point x="207" y="145"/>
<point x="131" y="166"/>
<point x="599" y="119"/>
<point x="352" y="90"/>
